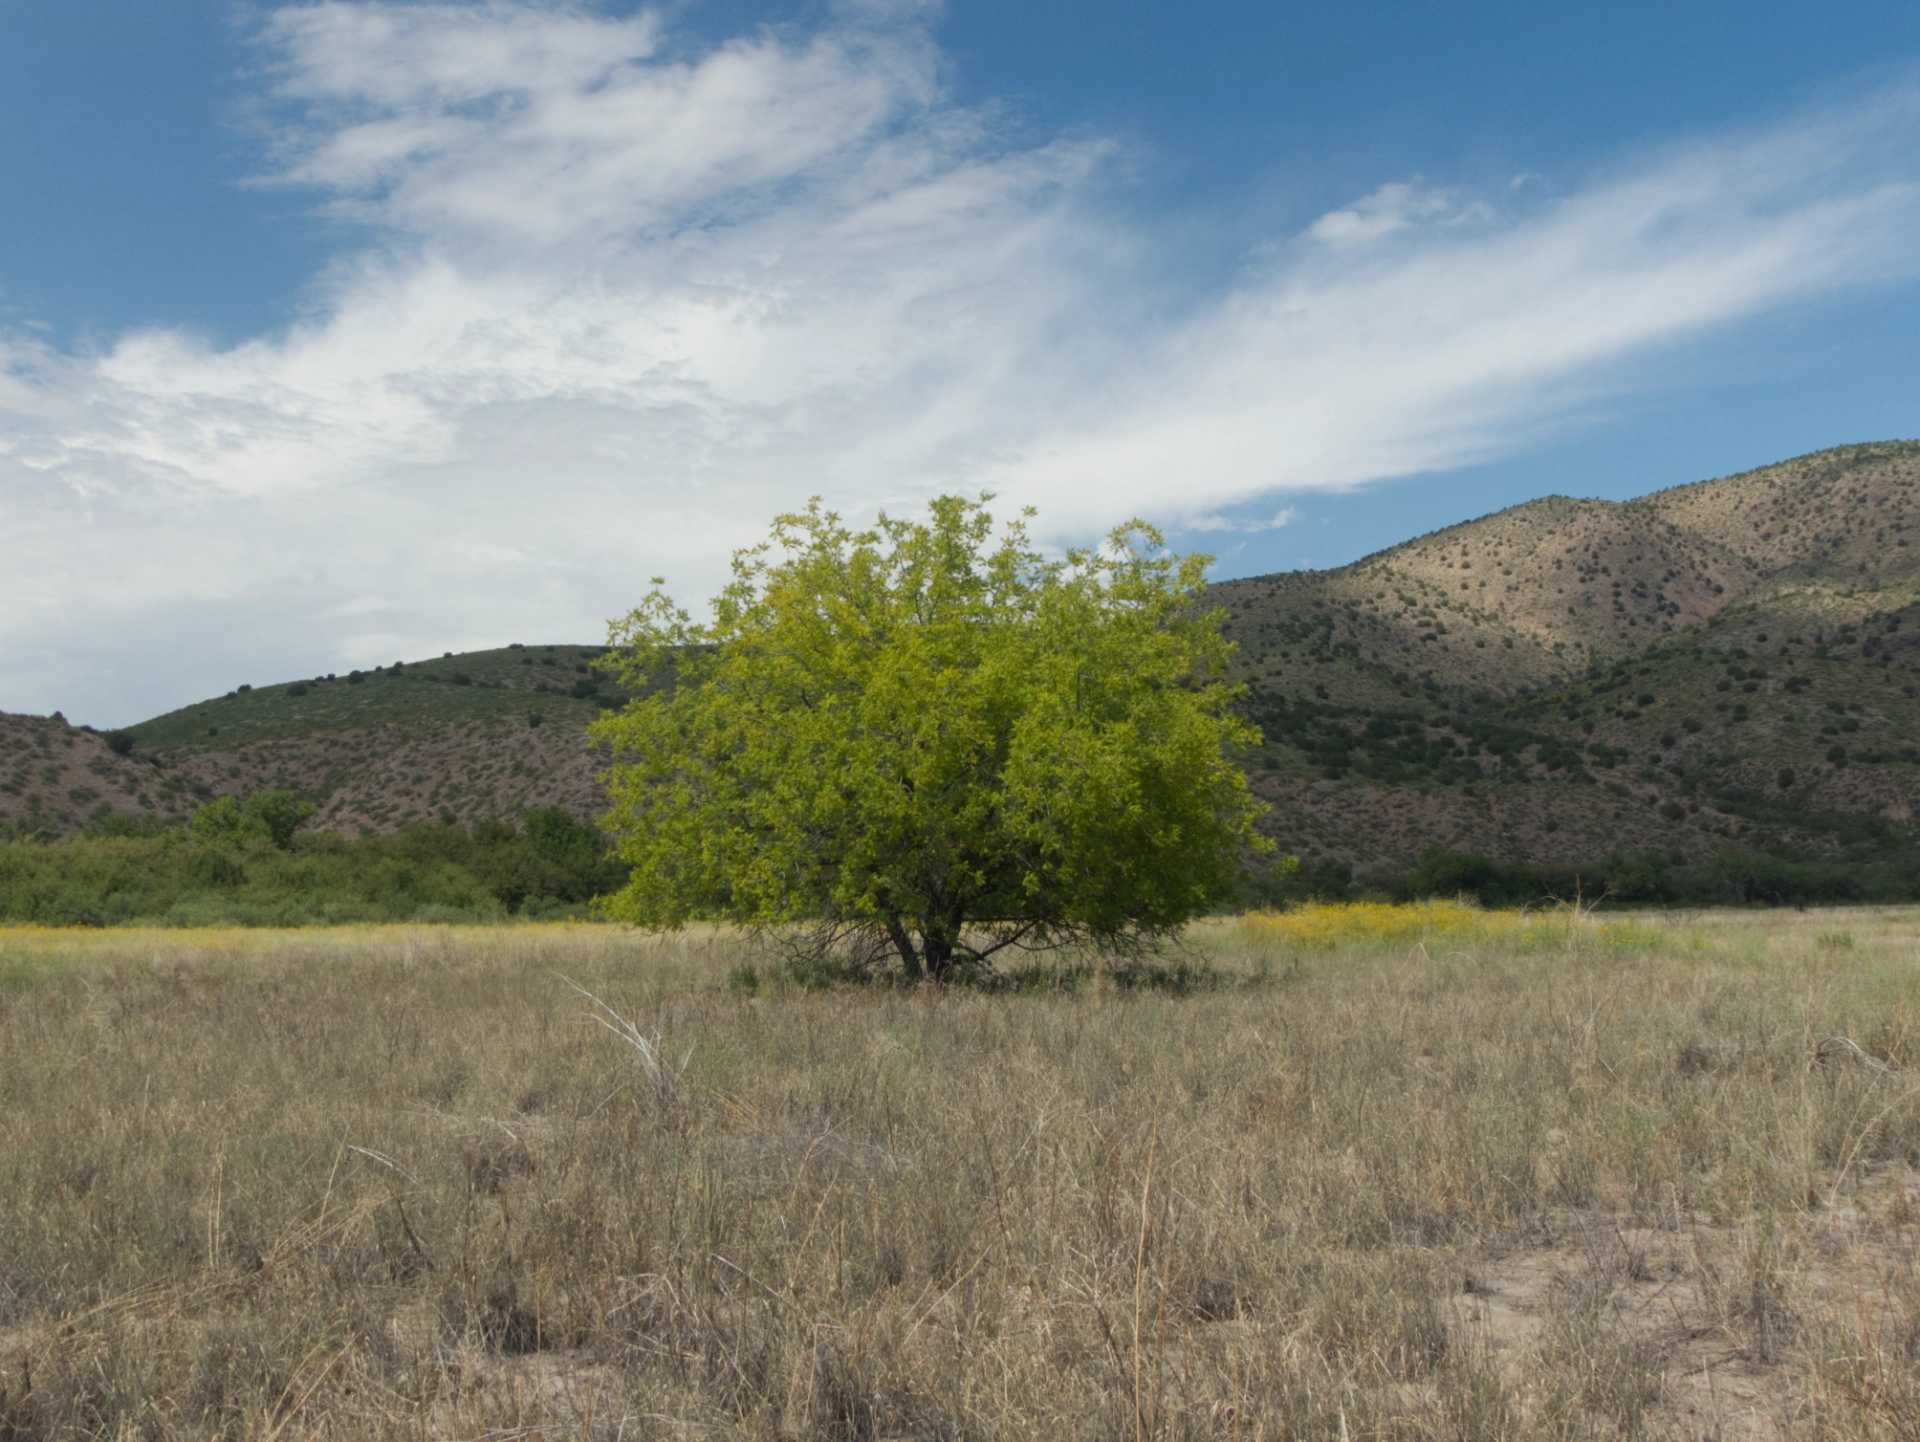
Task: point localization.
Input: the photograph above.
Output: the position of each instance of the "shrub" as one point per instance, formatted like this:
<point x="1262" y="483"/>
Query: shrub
<point x="106" y="822"/>
<point x="119" y="742"/>
<point x="274" y="815"/>
<point x="209" y="867"/>
<point x="73" y="908"/>
<point x="136" y="869"/>
<point x="1445" y="873"/>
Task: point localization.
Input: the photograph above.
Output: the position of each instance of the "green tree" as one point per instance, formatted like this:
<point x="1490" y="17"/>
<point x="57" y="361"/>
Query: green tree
<point x="274" y="815"/>
<point x="555" y="836"/>
<point x="924" y="742"/>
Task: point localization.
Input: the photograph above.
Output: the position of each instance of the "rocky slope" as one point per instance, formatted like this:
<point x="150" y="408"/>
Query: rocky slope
<point x="1726" y="662"/>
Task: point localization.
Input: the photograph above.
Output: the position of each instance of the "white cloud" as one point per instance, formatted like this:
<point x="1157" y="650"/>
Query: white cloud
<point x="629" y="301"/>
<point x="1393" y="207"/>
<point x="1335" y="368"/>
<point x="1285" y="516"/>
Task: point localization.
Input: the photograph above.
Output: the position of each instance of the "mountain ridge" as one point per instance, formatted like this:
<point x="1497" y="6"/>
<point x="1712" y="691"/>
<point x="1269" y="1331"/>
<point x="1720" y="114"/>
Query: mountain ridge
<point x="1561" y="581"/>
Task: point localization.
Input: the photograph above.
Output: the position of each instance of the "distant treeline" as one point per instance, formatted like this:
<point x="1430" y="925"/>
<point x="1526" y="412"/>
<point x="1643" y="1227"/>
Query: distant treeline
<point x="248" y="864"/>
<point x="1731" y="877"/>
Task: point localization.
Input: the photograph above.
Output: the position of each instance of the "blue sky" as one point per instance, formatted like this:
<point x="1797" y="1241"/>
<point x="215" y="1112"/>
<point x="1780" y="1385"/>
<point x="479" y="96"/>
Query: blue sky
<point x="336" y="333"/>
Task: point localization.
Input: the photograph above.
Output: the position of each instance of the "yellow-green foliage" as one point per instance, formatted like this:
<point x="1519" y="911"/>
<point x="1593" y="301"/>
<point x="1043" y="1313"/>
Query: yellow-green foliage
<point x="935" y="738"/>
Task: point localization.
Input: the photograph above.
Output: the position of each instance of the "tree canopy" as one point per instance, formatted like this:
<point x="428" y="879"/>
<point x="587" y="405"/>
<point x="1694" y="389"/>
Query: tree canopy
<point x="929" y="741"/>
<point x="274" y="815"/>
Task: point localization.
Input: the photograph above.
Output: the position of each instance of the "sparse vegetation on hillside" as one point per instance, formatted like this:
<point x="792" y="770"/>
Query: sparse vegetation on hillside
<point x="56" y="778"/>
<point x="1569" y="679"/>
<point x="475" y="687"/>
<point x="1534" y="594"/>
<point x="378" y="750"/>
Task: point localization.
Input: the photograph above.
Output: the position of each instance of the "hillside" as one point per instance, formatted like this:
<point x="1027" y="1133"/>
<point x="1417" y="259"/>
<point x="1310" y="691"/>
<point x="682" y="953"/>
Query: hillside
<point x="60" y="777"/>
<point x="1557" y="584"/>
<point x="453" y="738"/>
<point x="1728" y="664"/>
<point x="510" y="684"/>
<point x="1724" y="663"/>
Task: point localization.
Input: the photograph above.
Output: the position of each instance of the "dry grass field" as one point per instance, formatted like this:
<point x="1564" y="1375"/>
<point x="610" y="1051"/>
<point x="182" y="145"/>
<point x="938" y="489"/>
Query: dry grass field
<point x="1344" y="1173"/>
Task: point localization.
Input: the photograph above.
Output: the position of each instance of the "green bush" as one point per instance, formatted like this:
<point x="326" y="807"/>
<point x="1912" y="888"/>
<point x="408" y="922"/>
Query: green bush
<point x="124" y="823"/>
<point x="275" y="815"/>
<point x="248" y="863"/>
<point x="1441" y="872"/>
<point x="1729" y="877"/>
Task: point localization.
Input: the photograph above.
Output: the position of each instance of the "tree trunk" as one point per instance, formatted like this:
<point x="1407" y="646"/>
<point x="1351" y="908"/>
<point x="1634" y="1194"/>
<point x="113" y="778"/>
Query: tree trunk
<point x="941" y="939"/>
<point x="903" y="943"/>
<point x="939" y="953"/>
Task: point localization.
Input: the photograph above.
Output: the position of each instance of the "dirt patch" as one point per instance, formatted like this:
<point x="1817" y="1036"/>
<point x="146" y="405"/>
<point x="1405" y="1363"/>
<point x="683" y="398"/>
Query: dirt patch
<point x="1729" y="1330"/>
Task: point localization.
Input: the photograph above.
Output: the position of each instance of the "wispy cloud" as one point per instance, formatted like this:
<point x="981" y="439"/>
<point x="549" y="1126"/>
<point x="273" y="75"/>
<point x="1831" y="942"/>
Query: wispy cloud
<point x="626" y="301"/>
<point x="1285" y="516"/>
<point x="1395" y="206"/>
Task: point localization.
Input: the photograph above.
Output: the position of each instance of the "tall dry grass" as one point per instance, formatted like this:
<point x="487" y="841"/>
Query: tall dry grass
<point x="1392" y="1173"/>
